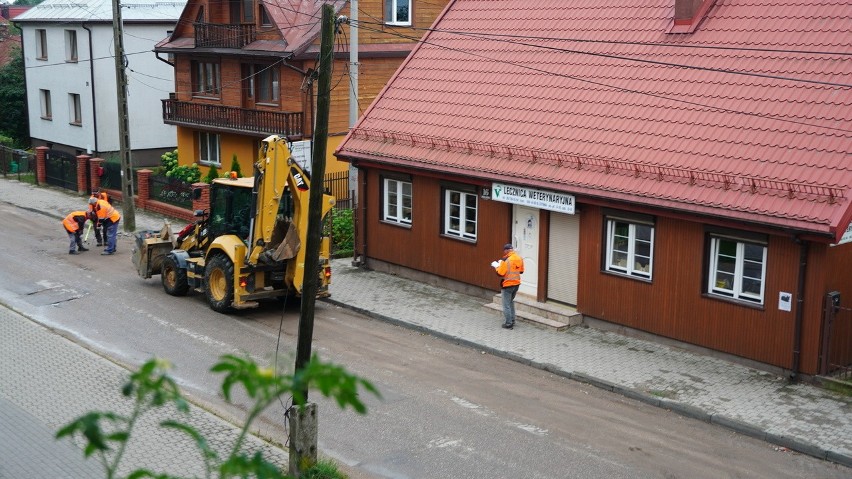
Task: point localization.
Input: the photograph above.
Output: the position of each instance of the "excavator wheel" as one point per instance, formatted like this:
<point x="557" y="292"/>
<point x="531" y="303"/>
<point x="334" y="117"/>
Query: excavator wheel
<point x="219" y="276"/>
<point x="174" y="277"/>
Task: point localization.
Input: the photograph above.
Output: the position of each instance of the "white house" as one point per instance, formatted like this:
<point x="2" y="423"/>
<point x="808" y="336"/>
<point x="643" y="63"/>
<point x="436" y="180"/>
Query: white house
<point x="71" y="76"/>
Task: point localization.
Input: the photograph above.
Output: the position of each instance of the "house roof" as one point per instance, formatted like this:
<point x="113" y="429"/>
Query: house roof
<point x="747" y="118"/>
<point x="148" y="11"/>
<point x="298" y="21"/>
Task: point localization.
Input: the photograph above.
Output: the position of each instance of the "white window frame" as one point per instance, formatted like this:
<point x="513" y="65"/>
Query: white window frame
<point x="41" y="44"/>
<point x="729" y="284"/>
<point x="464" y="209"/>
<point x="75" y="113"/>
<point x="629" y="255"/>
<point x="394" y="209"/>
<point x="208" y="149"/>
<point x="71" y="55"/>
<point x="392" y="10"/>
<point x="46" y="107"/>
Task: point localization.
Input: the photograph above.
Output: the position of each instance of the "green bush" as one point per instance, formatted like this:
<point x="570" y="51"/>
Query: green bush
<point x="169" y="160"/>
<point x="235" y="166"/>
<point x="189" y="174"/>
<point x="212" y="174"/>
<point x="342" y="232"/>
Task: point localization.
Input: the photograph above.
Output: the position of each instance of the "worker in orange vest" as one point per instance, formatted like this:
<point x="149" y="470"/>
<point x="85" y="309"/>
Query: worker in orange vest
<point x="73" y="224"/>
<point x="510" y="268"/>
<point x="110" y="217"/>
<point x="100" y="238"/>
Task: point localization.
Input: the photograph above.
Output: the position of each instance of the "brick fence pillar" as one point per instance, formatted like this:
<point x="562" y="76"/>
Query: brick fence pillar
<point x="41" y="167"/>
<point x="82" y="181"/>
<point x="95" y="173"/>
<point x="202" y="203"/>
<point x="143" y="180"/>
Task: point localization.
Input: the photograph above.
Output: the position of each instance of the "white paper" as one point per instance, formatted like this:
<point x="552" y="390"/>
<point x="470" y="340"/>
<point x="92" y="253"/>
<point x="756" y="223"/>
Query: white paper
<point x="785" y="301"/>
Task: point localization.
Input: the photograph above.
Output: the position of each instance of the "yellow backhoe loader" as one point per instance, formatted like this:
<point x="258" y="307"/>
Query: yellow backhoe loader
<point x="250" y="244"/>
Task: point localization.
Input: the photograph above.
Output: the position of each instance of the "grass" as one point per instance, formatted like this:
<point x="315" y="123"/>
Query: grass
<point x="324" y="469"/>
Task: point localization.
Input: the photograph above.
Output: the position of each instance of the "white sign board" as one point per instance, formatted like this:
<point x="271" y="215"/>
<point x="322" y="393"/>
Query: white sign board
<point x="785" y="301"/>
<point x="534" y="198"/>
<point x="302" y="154"/>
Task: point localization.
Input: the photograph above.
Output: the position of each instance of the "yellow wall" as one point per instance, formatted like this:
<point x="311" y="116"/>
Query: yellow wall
<point x="245" y="149"/>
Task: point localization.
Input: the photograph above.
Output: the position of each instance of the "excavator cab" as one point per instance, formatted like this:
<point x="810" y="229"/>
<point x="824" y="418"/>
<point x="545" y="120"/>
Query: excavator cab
<point x="230" y="208"/>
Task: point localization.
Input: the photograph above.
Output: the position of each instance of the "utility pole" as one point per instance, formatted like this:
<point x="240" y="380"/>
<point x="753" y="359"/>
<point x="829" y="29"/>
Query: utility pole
<point x="127" y="195"/>
<point x="303" y="421"/>
<point x="353" y="95"/>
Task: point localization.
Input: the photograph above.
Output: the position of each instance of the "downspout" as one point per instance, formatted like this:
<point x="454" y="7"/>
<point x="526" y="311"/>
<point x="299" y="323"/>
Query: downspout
<point x="360" y="258"/>
<point x="800" y="301"/>
<point x="96" y="152"/>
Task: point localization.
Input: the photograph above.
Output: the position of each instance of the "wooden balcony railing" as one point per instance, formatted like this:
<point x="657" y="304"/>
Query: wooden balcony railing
<point x="215" y="35"/>
<point x="237" y="120"/>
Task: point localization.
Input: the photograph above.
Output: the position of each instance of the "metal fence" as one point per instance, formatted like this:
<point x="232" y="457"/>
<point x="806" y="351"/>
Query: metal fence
<point x="837" y="339"/>
<point x="60" y="169"/>
<point x="17" y="164"/>
<point x="171" y="191"/>
<point x="337" y="184"/>
<point x="111" y="178"/>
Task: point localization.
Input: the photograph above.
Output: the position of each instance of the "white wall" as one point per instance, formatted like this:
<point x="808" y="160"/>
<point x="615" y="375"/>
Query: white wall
<point x="150" y="81"/>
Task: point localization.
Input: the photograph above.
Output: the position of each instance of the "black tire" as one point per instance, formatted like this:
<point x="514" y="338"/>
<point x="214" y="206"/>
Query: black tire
<point x="219" y="277"/>
<point x="174" y="277"/>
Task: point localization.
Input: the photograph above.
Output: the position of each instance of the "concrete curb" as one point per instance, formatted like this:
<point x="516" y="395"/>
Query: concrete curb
<point x="685" y="410"/>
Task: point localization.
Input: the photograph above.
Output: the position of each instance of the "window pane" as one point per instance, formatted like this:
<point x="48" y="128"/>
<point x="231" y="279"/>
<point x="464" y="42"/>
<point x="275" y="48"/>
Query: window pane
<point x="643" y="232"/>
<point x="619" y="259"/>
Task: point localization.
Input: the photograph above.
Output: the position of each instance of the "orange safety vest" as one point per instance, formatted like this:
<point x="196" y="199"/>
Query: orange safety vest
<point x="71" y="224"/>
<point x="510" y="268"/>
<point x="105" y="210"/>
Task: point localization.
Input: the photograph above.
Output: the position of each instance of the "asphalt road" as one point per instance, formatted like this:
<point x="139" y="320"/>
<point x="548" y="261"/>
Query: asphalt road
<point x="446" y="410"/>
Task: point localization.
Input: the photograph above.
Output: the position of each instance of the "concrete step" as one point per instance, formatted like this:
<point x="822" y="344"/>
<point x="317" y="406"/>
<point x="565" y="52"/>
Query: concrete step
<point x="549" y="315"/>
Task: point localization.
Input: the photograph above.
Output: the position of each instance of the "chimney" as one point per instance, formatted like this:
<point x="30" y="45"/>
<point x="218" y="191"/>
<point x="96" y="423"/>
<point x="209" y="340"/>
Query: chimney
<point x="688" y="14"/>
<point x="685" y="10"/>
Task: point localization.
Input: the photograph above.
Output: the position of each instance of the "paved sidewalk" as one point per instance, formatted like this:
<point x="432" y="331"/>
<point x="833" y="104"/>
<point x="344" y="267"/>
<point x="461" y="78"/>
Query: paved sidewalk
<point x="797" y="416"/>
<point x="46" y="381"/>
<point x="801" y="417"/>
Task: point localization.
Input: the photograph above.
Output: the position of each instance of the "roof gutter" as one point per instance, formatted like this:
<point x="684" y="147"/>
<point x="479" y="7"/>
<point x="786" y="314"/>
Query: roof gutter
<point x="96" y="151"/>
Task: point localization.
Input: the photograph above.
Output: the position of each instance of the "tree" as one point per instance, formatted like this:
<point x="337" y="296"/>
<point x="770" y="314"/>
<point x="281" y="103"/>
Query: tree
<point x="235" y="166"/>
<point x="26" y="2"/>
<point x="13" y="115"/>
<point x="106" y="434"/>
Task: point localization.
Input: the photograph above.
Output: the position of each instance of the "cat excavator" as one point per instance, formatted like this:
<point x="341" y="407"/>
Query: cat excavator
<point x="249" y="246"/>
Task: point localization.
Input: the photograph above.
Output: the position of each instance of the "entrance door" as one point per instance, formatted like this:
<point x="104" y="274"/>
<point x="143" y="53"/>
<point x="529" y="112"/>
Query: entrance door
<point x="525" y="229"/>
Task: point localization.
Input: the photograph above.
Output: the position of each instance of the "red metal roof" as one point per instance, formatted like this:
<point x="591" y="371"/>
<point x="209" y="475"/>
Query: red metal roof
<point x="298" y="21"/>
<point x="748" y="118"/>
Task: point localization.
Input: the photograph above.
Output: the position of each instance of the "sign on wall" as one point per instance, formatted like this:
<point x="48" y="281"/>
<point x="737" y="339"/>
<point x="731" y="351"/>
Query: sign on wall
<point x="535" y="198"/>
<point x="301" y="152"/>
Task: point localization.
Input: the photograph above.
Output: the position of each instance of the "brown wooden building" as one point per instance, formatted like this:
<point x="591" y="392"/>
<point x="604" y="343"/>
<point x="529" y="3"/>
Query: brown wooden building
<point x="648" y="179"/>
<point x="245" y="69"/>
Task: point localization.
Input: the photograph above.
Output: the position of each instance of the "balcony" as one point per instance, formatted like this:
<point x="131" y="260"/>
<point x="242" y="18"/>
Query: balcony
<point x="215" y="35"/>
<point x="233" y="119"/>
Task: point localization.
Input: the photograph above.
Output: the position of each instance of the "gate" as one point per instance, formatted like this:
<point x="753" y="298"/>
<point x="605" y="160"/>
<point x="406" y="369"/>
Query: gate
<point x="61" y="169"/>
<point x="836" y="358"/>
<point x="337" y="184"/>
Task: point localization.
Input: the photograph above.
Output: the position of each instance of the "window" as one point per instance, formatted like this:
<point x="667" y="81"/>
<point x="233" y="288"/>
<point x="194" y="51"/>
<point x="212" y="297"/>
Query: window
<point x="70" y="45"/>
<point x="264" y="83"/>
<point x="397" y="201"/>
<point x="398" y="12"/>
<point x="460" y="214"/>
<point x="208" y="149"/>
<point x="41" y="44"/>
<point x="242" y="11"/>
<point x="629" y="247"/>
<point x="44" y="99"/>
<point x="737" y="269"/>
<point x="265" y="21"/>
<point x="205" y="78"/>
<point x="74" y="109"/>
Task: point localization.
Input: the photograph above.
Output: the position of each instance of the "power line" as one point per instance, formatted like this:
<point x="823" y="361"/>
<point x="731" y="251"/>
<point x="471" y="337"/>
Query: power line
<point x="630" y="90"/>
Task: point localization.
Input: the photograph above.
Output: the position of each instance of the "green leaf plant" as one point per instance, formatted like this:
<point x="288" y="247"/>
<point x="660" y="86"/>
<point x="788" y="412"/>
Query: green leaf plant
<point x="106" y="434"/>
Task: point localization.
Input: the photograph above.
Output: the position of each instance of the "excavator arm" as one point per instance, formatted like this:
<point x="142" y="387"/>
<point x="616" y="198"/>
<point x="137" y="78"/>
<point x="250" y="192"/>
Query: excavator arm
<point x="276" y="173"/>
